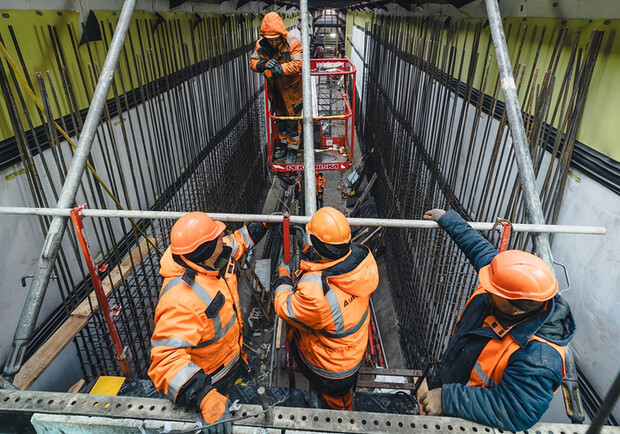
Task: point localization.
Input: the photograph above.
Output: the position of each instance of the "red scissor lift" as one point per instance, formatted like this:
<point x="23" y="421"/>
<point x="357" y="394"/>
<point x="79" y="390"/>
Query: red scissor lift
<point x="334" y="152"/>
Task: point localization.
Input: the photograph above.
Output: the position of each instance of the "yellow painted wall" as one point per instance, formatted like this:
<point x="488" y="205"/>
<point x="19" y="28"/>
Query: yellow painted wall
<point x="600" y="124"/>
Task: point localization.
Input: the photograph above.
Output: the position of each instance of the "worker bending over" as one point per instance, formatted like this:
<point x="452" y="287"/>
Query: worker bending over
<point x="328" y="308"/>
<point x="278" y="55"/>
<point x="505" y="358"/>
<point x="196" y="347"/>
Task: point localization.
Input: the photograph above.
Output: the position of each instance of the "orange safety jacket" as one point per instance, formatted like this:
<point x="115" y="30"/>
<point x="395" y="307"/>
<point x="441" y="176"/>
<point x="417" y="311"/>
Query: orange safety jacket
<point x="285" y="93"/>
<point x="319" y="180"/>
<point x="524" y="377"/>
<point x="198" y="327"/>
<point x="328" y="308"/>
<point x="493" y="359"/>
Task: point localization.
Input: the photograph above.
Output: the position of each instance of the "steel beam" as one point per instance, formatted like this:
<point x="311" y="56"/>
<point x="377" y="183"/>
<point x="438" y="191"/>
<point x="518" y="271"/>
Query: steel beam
<point x="49" y="253"/>
<point x="24" y="403"/>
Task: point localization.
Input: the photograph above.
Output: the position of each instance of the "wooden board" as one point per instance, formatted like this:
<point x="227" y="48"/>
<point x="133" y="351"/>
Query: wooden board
<point x="384" y="385"/>
<point x="47" y="353"/>
<point x="391" y="372"/>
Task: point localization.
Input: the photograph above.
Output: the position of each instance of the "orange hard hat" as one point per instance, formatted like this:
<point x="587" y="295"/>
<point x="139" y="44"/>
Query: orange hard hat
<point x="330" y="226"/>
<point x="518" y="275"/>
<point x="192" y="230"/>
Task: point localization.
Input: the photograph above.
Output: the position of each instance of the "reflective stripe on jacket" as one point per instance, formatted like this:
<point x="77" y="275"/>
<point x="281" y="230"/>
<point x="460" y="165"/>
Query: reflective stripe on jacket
<point x="492" y="361"/>
<point x="285" y="93"/>
<point x="329" y="310"/>
<point x="525" y="377"/>
<point x="197" y="326"/>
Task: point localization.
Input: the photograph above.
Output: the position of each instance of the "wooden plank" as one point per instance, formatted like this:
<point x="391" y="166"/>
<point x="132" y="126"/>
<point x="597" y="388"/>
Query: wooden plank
<point x="383" y="385"/>
<point x="77" y="386"/>
<point x="47" y="353"/>
<point x="113" y="280"/>
<point x="364" y="194"/>
<point x="393" y="372"/>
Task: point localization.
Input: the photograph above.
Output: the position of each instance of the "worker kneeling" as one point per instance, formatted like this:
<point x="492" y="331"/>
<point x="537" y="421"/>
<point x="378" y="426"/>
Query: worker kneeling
<point x="505" y="358"/>
<point x="328" y="308"/>
<point x="196" y="347"/>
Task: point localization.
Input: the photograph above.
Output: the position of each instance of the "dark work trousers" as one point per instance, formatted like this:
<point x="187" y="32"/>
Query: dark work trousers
<point x="329" y="386"/>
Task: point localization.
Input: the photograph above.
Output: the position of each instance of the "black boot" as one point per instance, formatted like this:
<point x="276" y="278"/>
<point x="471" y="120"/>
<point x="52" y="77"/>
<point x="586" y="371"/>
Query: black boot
<point x="313" y="398"/>
<point x="279" y="153"/>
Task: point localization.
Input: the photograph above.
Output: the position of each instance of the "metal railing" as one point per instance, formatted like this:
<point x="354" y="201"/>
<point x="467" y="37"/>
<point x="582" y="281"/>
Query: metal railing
<point x="300" y="220"/>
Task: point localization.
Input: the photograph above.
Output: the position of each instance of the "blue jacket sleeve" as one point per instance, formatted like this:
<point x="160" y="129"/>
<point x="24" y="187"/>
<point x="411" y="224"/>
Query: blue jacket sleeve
<point x="517" y="403"/>
<point x="477" y="249"/>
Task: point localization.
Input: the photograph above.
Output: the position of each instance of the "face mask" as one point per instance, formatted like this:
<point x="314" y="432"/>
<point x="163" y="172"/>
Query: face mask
<point x="510" y="320"/>
<point x="507" y="320"/>
<point x="222" y="260"/>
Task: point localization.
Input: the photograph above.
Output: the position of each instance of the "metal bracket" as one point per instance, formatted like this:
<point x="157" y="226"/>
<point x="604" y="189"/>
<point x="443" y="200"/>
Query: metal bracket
<point x="31" y="276"/>
<point x="565" y="275"/>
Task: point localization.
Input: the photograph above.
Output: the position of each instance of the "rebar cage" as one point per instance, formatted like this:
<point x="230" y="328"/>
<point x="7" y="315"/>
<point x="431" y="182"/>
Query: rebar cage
<point x="435" y="132"/>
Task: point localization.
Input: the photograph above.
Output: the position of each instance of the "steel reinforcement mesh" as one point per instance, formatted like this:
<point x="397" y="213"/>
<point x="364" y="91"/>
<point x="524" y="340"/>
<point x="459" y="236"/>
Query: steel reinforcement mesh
<point x="229" y="178"/>
<point x="180" y="132"/>
<point x="436" y="136"/>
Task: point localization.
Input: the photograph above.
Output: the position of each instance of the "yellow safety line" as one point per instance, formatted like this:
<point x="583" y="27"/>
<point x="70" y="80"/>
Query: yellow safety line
<point x="32" y="95"/>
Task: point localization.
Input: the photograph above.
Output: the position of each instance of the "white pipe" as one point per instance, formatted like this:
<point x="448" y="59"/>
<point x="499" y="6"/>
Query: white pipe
<point x="300" y="220"/>
<point x="306" y="81"/>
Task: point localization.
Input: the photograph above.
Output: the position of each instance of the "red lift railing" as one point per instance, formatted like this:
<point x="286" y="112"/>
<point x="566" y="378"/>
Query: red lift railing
<point x="336" y="146"/>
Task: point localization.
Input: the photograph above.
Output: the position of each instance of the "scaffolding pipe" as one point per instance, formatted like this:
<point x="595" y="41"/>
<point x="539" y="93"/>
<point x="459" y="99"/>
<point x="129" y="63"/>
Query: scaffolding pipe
<point x="606" y="407"/>
<point x="299" y="220"/>
<point x="309" y="182"/>
<point x="533" y="208"/>
<point x="32" y="305"/>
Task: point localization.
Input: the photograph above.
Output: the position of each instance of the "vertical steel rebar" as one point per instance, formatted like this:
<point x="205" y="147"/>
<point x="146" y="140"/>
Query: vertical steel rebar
<point x="32" y="306"/>
<point x="606" y="407"/>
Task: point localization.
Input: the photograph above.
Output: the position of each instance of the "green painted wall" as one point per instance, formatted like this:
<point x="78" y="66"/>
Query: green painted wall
<point x="600" y="123"/>
<point x="217" y="34"/>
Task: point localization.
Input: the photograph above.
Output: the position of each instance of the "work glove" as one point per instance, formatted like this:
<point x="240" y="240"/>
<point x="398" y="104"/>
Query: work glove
<point x="429" y="401"/>
<point x="284" y="269"/>
<point x="270" y="225"/>
<point x="303" y="240"/>
<point x="271" y="64"/>
<point x="277" y="70"/>
<point x="214" y="408"/>
<point x="261" y="65"/>
<point x="434" y="214"/>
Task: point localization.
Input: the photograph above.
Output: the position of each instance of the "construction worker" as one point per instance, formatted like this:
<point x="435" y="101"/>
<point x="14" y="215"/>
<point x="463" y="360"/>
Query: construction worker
<point x="278" y="56"/>
<point x="320" y="184"/>
<point x="196" y="347"/>
<point x="505" y="358"/>
<point x="328" y="308"/>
